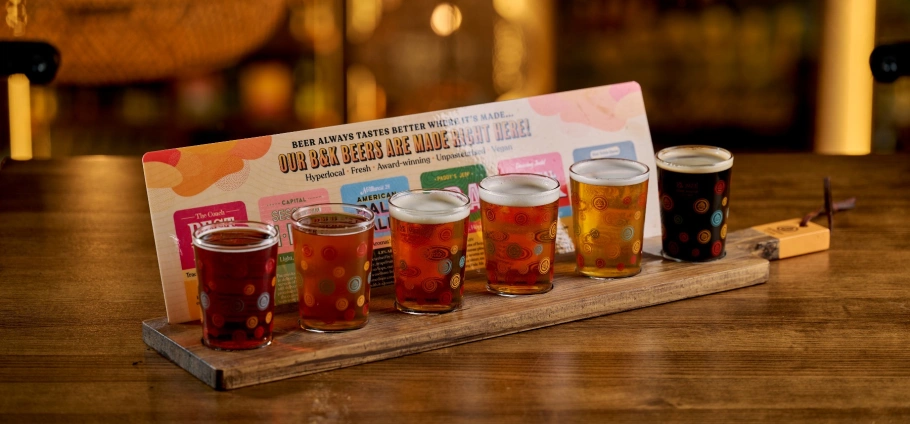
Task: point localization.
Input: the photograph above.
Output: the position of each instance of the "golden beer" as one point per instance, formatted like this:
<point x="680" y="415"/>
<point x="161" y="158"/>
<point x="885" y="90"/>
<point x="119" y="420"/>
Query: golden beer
<point x="608" y="212"/>
<point x="333" y="250"/>
<point x="518" y="214"/>
<point x="429" y="240"/>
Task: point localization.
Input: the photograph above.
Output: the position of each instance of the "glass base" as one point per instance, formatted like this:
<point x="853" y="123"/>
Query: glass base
<point x="331" y="328"/>
<point x="670" y="258"/>
<point x="427" y="309"/>
<point x="607" y="277"/>
<point x="515" y="290"/>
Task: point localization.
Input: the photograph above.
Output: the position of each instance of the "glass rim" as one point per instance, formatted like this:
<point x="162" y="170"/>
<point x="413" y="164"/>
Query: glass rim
<point x="725" y="155"/>
<point x="542" y="193"/>
<point x="353" y="228"/>
<point x="271" y="231"/>
<point x="610" y="181"/>
<point x="466" y="201"/>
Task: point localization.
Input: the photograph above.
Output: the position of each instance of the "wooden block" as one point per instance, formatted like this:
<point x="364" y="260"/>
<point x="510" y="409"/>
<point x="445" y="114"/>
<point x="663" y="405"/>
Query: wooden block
<point x="390" y="333"/>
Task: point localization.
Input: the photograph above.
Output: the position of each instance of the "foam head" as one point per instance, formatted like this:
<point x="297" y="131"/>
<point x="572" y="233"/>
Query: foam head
<point x="429" y="206"/>
<point x="694" y="159"/>
<point x="519" y="190"/>
<point x="609" y="172"/>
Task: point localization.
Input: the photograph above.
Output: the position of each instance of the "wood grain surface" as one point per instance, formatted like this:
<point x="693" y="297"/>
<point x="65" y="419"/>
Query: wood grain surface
<point x="824" y="340"/>
<point x="391" y="334"/>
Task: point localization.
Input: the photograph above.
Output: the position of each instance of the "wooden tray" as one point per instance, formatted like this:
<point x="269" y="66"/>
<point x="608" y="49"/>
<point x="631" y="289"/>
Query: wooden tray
<point x="390" y="333"/>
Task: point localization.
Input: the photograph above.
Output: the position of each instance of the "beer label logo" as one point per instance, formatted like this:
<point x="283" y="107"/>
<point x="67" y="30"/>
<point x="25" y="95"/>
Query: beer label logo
<point x="491" y="247"/>
<point x="627" y="233"/>
<point x="454" y="249"/>
<point x="695" y="253"/>
<point x="274" y="279"/>
<point x="361" y="250"/>
<point x="544" y="265"/>
<point x="304" y="265"/>
<point x="677" y="219"/>
<point x="445" y="234"/>
<point x="587" y="248"/>
<point x="366" y="266"/>
<point x="672" y="248"/>
<point x="237" y="306"/>
<point x="620" y="266"/>
<point x="258" y="332"/>
<point x="594" y="234"/>
<point x="612" y="251"/>
<point x="724" y="201"/>
<point x="461" y="262"/>
<point x="354" y="284"/>
<point x="633" y="259"/>
<point x="636" y="247"/>
<point x="491" y="216"/>
<point x="309" y="300"/>
<point x="704" y="236"/>
<point x="600" y="203"/>
<point x="263" y="302"/>
<point x="538" y="249"/>
<point x="218" y="320"/>
<point x="521" y="218"/>
<point x="360" y="300"/>
<point x="627" y="200"/>
<point x="410" y="272"/>
<point x="402" y="265"/>
<point x="600" y="263"/>
<point x="268" y="318"/>
<point x="643" y="199"/>
<point x="249" y="289"/>
<point x="719" y="187"/>
<point x="716" y="248"/>
<point x="516" y="252"/>
<point x="269" y="266"/>
<point x="723" y="231"/>
<point x="204" y="300"/>
<point x="307" y="251"/>
<point x="717" y="218"/>
<point x="553" y="230"/>
<point x="326" y="287"/>
<point x="444" y="267"/>
<point x="666" y="202"/>
<point x="435" y="253"/>
<point x="637" y="215"/>
<point x="684" y="237"/>
<point x="341" y="304"/>
<point x="497" y="236"/>
<point x="455" y="281"/>
<point x="252" y="322"/>
<point x="445" y="298"/>
<point x="701" y="205"/>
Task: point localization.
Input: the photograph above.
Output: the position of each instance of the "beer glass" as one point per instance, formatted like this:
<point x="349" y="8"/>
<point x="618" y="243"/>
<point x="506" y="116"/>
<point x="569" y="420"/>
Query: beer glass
<point x="235" y="266"/>
<point x="609" y="197"/>
<point x="518" y="214"/>
<point x="694" y="187"/>
<point x="429" y="237"/>
<point x="333" y="250"/>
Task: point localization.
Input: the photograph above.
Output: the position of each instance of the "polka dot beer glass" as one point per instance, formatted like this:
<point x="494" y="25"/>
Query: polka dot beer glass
<point x="333" y="251"/>
<point x="609" y="197"/>
<point x="429" y="236"/>
<point x="235" y="265"/>
<point x="519" y="213"/>
<point x="693" y="183"/>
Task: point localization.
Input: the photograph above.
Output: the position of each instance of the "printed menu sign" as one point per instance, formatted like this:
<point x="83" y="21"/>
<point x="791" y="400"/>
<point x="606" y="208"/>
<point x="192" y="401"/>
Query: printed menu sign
<point x="365" y="163"/>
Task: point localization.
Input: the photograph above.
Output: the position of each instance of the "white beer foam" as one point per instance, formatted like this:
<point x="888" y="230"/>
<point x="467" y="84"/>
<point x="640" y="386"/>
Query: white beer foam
<point x="524" y="190"/>
<point x="429" y="207"/>
<point x="609" y="172"/>
<point x="694" y="159"/>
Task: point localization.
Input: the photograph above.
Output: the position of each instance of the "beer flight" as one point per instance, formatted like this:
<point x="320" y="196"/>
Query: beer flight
<point x="333" y="243"/>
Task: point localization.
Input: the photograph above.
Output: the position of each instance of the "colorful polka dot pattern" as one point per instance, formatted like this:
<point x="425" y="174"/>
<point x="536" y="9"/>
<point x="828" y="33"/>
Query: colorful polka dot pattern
<point x="431" y="260"/>
<point x="236" y="297"/>
<point x="694" y="210"/>
<point x="608" y="239"/>
<point x="520" y="247"/>
<point x="333" y="279"/>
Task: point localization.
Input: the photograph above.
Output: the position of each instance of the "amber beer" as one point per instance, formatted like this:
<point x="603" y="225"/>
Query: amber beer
<point x="608" y="204"/>
<point x="333" y="250"/>
<point x="429" y="237"/>
<point x="694" y="187"/>
<point x="518" y="214"/>
<point x="235" y="266"/>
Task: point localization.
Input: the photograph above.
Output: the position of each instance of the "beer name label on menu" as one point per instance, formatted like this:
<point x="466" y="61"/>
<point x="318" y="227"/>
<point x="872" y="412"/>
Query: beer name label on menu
<point x="267" y="178"/>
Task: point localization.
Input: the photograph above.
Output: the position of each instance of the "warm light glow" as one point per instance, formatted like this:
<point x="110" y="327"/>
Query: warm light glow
<point x="510" y="9"/>
<point x="20" y="121"/>
<point x="363" y="18"/>
<point x="446" y="19"/>
<point x="366" y="99"/>
<point x="844" y="118"/>
<point x="265" y="88"/>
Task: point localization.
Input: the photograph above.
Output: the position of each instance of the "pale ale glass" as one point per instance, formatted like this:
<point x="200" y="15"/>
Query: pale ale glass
<point x="429" y="238"/>
<point x="694" y="187"/>
<point x="518" y="214"/>
<point x="609" y="197"/>
<point x="235" y="266"/>
<point x="333" y="253"/>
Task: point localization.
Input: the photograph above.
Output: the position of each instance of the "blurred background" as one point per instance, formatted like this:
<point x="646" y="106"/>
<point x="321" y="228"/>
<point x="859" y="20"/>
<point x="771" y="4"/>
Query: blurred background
<point x="750" y="75"/>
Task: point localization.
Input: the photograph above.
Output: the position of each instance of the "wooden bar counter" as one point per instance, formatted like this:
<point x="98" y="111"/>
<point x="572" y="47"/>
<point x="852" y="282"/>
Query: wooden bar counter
<point x="826" y="339"/>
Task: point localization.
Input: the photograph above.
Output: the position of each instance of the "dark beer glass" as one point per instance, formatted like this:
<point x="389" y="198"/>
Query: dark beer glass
<point x="518" y="214"/>
<point x="693" y="183"/>
<point x="235" y="263"/>
<point x="609" y="197"/>
<point x="333" y="250"/>
<point x="429" y="240"/>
